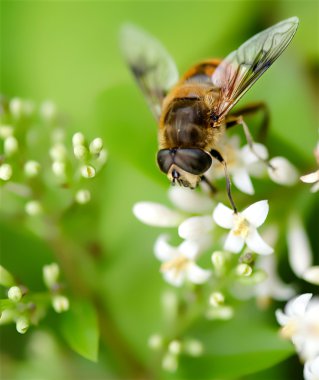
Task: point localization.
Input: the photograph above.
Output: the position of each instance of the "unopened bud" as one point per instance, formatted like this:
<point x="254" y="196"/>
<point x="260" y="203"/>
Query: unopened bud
<point x="87" y="171"/>
<point x="175" y="347"/>
<point x="96" y="145"/>
<point x="80" y="152"/>
<point x="15" y="294"/>
<point x="33" y="208"/>
<point x="102" y="157"/>
<point x="51" y="274"/>
<point x="32" y="168"/>
<point x="58" y="152"/>
<point x="6" y="131"/>
<point x="22" y="324"/>
<point x="48" y="110"/>
<point x="10" y="145"/>
<point x="218" y="260"/>
<point x="59" y="169"/>
<point x="222" y="312"/>
<point x="16" y="107"/>
<point x="216" y="299"/>
<point x="155" y="342"/>
<point x="169" y="362"/>
<point x="83" y="196"/>
<point x="60" y="303"/>
<point x="78" y="139"/>
<point x="5" y="172"/>
<point x="244" y="270"/>
<point x="193" y="347"/>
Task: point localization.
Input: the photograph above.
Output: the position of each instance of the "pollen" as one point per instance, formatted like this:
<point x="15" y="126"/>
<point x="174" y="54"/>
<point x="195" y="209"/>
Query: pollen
<point x="289" y="330"/>
<point x="178" y="263"/>
<point x="241" y="226"/>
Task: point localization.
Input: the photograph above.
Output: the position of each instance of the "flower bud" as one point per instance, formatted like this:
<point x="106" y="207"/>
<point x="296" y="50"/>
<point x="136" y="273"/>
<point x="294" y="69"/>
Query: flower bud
<point x="33" y="208"/>
<point x="6" y="131"/>
<point x="6" y="278"/>
<point x="58" y="152"/>
<point x="175" y="347"/>
<point x="15" y="294"/>
<point x="218" y="260"/>
<point x="83" y="196"/>
<point x="22" y="324"/>
<point x="80" y="152"/>
<point x="59" y="169"/>
<point x="282" y="171"/>
<point x="96" y="145"/>
<point x="10" y="145"/>
<point x="78" y="139"/>
<point x="32" y="168"/>
<point x="16" y="107"/>
<point x="169" y="362"/>
<point x="193" y="347"/>
<point x="216" y="299"/>
<point x="48" y="111"/>
<point x="222" y="312"/>
<point x="5" y="172"/>
<point x="155" y="342"/>
<point x="51" y="274"/>
<point x="101" y="158"/>
<point x="87" y="171"/>
<point x="244" y="270"/>
<point x="60" y="303"/>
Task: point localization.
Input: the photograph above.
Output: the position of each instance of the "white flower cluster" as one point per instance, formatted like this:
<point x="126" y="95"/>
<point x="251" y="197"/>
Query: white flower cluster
<point x="300" y="324"/>
<point x="314" y="176"/>
<point x="29" y="136"/>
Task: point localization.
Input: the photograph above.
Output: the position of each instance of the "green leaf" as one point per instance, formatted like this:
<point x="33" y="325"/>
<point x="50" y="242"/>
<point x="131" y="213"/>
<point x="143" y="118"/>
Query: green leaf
<point x="79" y="326"/>
<point x="6" y="278"/>
<point x="235" y="348"/>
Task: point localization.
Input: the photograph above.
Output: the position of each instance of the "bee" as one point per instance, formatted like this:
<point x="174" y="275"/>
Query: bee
<point x="193" y="112"/>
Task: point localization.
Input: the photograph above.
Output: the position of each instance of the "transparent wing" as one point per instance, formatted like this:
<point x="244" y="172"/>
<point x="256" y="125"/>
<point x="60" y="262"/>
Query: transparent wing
<point x="151" y="65"/>
<point x="241" y="68"/>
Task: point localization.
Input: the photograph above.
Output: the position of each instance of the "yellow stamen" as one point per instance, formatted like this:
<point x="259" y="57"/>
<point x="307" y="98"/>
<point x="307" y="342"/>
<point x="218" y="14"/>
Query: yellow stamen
<point x="241" y="226"/>
<point x="178" y="263"/>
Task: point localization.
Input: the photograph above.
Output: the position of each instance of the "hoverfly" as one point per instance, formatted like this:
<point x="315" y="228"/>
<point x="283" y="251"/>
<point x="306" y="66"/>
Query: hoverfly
<point x="193" y="112"/>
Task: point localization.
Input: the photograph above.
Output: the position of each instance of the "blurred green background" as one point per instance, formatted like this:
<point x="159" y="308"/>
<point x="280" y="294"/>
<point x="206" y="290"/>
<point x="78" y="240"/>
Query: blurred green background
<point x="68" y="52"/>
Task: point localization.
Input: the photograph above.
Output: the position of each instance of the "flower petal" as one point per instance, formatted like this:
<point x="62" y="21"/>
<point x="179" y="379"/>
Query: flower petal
<point x="156" y="214"/>
<point x="192" y="248"/>
<point x="197" y="275"/>
<point x="297" y="306"/>
<point x="223" y="216"/>
<point x="312" y="275"/>
<point x="249" y="157"/>
<point x="256" y="213"/>
<point x="257" y="244"/>
<point x="234" y="243"/>
<point x="173" y="277"/>
<point x="195" y="227"/>
<point x="282" y="318"/>
<point x="242" y="181"/>
<point x="311" y="369"/>
<point x="190" y="200"/>
<point x="311" y="177"/>
<point x="284" y="172"/>
<point x="163" y="250"/>
<point x="299" y="250"/>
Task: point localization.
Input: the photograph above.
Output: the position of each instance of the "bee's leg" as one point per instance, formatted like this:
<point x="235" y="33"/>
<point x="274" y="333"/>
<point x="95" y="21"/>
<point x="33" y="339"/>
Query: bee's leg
<point x="219" y="158"/>
<point x="251" y="109"/>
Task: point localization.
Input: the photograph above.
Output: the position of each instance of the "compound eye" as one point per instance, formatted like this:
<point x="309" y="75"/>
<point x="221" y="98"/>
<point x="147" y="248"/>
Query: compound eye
<point x="194" y="161"/>
<point x="164" y="160"/>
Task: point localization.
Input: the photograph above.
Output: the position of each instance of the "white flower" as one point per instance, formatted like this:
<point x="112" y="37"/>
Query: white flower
<point x="299" y="250"/>
<point x="300" y="323"/>
<point x="179" y="262"/>
<point x="312" y="178"/>
<point x="311" y="369"/>
<point x="5" y="172"/>
<point x="156" y="214"/>
<point x="195" y="227"/>
<point x="282" y="171"/>
<point x="243" y="227"/>
<point x="312" y="275"/>
<point x="241" y="163"/>
<point x="189" y="200"/>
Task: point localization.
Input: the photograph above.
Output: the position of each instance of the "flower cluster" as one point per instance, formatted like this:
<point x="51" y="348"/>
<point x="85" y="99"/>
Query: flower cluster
<point x="24" y="307"/>
<point x="38" y="163"/>
<point x="314" y="176"/>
